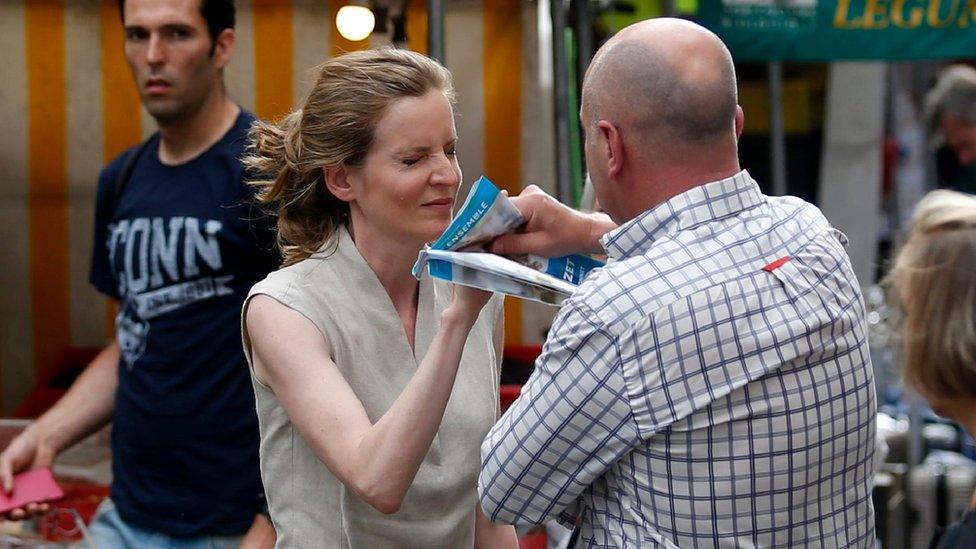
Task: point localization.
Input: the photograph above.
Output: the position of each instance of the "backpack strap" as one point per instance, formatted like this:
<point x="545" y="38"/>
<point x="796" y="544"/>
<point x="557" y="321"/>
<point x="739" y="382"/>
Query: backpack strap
<point x="125" y="174"/>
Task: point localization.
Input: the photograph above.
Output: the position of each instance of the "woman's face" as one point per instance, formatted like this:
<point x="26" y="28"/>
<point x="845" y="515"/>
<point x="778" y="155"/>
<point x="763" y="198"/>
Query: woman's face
<point x="406" y="186"/>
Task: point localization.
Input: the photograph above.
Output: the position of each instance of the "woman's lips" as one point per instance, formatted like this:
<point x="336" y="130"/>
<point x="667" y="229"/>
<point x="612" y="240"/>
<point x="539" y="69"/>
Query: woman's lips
<point x="440" y="203"/>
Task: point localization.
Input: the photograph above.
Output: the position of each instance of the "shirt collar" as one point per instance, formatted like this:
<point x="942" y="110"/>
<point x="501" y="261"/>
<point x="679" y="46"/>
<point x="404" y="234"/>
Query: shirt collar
<point x="701" y="204"/>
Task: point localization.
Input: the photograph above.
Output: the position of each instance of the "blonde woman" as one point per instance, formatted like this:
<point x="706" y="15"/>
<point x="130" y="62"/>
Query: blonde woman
<point x="373" y="391"/>
<point x="934" y="279"/>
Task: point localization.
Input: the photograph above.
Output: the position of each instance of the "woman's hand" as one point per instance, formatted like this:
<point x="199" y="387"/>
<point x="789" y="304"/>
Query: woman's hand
<point x="469" y="301"/>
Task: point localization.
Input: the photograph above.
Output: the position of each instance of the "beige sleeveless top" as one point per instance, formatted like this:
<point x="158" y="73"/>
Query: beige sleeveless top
<point x="338" y="291"/>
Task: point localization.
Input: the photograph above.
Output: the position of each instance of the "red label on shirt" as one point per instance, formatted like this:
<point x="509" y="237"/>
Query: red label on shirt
<point x="776" y="264"/>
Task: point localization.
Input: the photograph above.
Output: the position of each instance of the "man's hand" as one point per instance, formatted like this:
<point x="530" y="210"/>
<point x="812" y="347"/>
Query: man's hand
<point x="552" y="229"/>
<point x="24" y="453"/>
<point x="85" y="408"/>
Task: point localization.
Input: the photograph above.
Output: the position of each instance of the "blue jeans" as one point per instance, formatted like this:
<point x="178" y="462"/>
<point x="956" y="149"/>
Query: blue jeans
<point x="109" y="531"/>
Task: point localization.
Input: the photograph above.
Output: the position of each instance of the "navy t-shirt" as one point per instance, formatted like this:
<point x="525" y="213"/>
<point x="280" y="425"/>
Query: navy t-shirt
<point x="180" y="251"/>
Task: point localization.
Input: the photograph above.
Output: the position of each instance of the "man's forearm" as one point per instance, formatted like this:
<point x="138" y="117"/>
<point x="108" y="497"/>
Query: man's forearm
<point x="86" y="407"/>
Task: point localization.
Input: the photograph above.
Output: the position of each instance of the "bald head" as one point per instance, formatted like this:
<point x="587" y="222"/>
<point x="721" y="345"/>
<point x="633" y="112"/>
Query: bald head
<point x="665" y="80"/>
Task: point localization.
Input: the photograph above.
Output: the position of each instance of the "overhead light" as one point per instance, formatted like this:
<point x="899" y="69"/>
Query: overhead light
<point x="355" y="23"/>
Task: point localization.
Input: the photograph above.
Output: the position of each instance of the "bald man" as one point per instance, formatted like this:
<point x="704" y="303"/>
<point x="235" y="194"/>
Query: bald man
<point x="712" y="385"/>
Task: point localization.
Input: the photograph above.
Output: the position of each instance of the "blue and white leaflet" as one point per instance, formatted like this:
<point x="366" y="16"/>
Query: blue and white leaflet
<point x="459" y="255"/>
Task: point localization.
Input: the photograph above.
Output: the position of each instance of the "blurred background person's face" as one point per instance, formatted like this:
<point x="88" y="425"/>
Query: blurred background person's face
<point x="171" y="56"/>
<point x="408" y="182"/>
<point x="960" y="137"/>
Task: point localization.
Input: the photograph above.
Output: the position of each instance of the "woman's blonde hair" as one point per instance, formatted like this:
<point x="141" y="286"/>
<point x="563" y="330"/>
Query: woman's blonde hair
<point x="335" y="126"/>
<point x="934" y="277"/>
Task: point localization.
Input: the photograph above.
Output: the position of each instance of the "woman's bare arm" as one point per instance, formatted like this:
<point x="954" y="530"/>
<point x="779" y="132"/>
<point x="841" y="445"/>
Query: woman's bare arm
<point x="377" y="461"/>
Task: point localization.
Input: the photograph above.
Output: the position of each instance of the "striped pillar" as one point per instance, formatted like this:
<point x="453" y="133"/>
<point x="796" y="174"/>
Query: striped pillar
<point x="83" y="40"/>
<point x="417" y="26"/>
<point x="312" y="36"/>
<point x="538" y="147"/>
<point x="272" y="58"/>
<point x="47" y="181"/>
<point x="464" y="32"/>
<point x="121" y="125"/>
<point x="502" y="47"/>
<point x="239" y="75"/>
<point x="16" y="328"/>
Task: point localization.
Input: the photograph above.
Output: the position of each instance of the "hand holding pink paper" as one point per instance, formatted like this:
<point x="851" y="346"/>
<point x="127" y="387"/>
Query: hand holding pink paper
<point x="36" y="486"/>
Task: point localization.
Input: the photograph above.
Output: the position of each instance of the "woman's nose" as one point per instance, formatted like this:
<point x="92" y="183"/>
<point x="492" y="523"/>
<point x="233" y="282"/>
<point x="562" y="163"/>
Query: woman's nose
<point x="446" y="171"/>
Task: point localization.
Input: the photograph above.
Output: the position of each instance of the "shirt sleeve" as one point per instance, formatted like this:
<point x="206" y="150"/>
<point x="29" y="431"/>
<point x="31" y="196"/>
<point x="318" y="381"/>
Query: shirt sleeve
<point x="101" y="275"/>
<point x="572" y="422"/>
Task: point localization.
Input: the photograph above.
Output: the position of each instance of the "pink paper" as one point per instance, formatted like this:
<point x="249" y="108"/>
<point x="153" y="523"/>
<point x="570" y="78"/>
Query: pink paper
<point x="35" y="486"/>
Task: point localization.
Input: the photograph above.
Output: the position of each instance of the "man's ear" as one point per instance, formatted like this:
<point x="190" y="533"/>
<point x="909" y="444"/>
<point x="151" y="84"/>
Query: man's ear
<point x="224" y="48"/>
<point x="337" y="182"/>
<point x="614" y="147"/>
<point x="740" y="122"/>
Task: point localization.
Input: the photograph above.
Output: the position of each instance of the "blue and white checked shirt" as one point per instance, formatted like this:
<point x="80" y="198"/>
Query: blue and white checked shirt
<point x="698" y="392"/>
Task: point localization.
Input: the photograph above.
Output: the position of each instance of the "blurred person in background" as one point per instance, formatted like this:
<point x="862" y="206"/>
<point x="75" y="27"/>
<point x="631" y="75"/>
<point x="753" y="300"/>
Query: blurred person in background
<point x="177" y="246"/>
<point x="374" y="390"/>
<point x="950" y="113"/>
<point x="934" y="283"/>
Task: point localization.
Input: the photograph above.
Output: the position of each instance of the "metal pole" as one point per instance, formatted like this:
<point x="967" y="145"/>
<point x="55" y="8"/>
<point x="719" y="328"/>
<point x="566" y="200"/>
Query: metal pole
<point x="916" y="442"/>
<point x="584" y="34"/>
<point x="435" y="30"/>
<point x="560" y="85"/>
<point x="669" y="8"/>
<point x="777" y="134"/>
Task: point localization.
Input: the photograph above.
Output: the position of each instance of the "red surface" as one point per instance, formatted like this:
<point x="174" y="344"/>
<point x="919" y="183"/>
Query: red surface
<point x="55" y="380"/>
<point x="83" y="497"/>
<point x="523" y="353"/>
<point x="507" y="395"/>
<point x="537" y="540"/>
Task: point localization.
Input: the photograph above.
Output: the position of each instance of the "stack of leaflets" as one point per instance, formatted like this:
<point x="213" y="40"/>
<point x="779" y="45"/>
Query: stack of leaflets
<point x="459" y="255"/>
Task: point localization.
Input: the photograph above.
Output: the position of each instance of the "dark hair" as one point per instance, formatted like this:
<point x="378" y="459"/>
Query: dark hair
<point x="219" y="15"/>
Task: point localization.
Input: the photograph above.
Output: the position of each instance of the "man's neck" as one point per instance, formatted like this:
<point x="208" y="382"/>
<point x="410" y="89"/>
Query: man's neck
<point x="661" y="180"/>
<point x="185" y="139"/>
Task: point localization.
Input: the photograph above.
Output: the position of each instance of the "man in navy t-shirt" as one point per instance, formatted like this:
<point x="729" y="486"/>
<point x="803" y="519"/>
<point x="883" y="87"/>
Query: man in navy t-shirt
<point x="179" y="246"/>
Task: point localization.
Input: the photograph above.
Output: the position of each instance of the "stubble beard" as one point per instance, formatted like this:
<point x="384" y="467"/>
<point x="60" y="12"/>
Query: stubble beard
<point x="174" y="110"/>
<point x="166" y="112"/>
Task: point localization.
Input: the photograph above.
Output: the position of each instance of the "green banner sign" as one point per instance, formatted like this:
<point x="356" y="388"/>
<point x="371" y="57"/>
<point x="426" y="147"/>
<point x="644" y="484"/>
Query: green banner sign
<point x="808" y="30"/>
